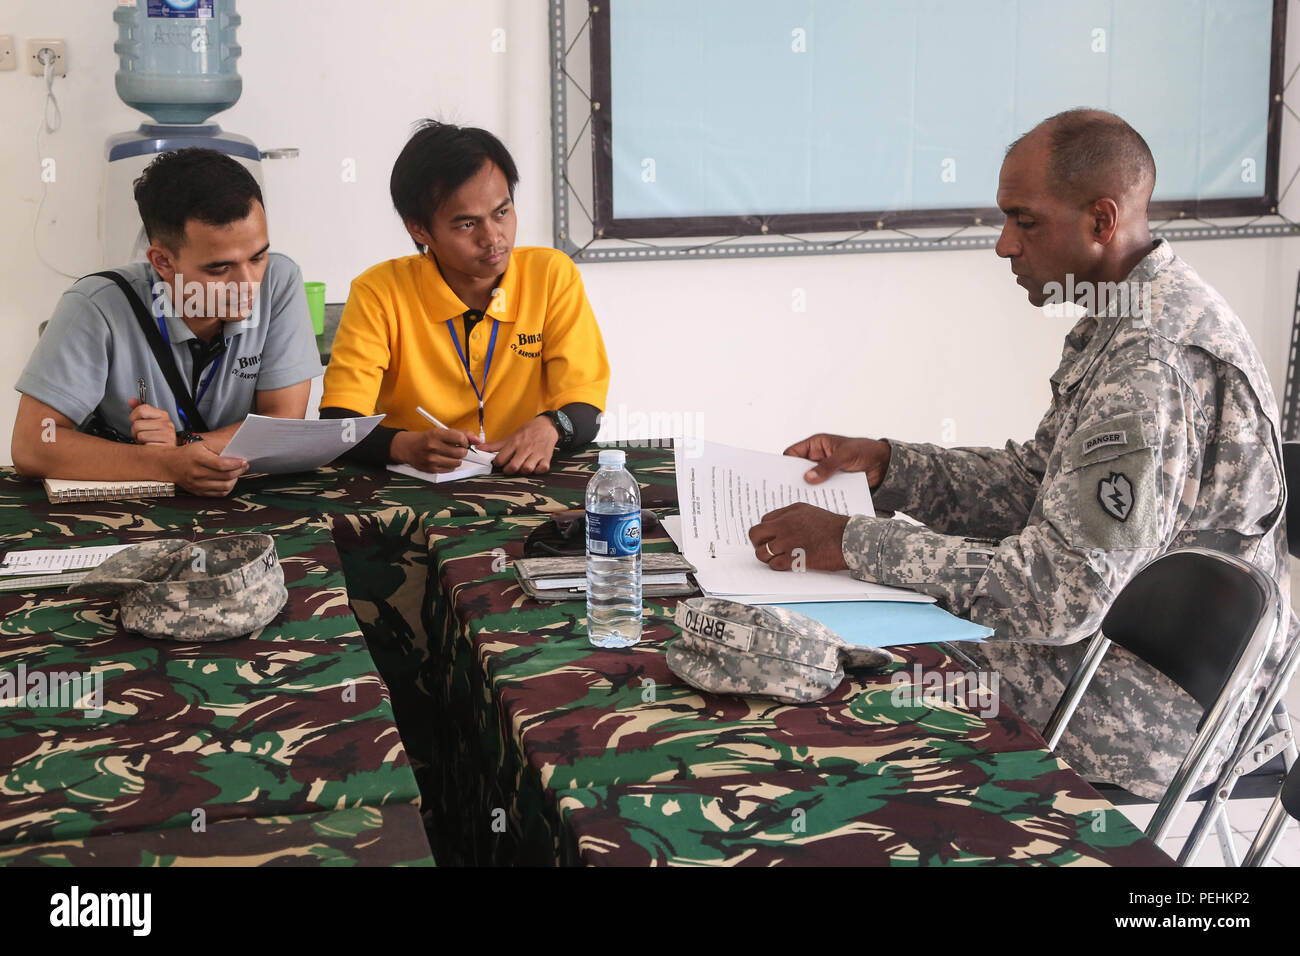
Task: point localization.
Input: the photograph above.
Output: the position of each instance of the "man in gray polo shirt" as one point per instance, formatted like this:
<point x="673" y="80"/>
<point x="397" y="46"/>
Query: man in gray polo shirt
<point x="96" y="403"/>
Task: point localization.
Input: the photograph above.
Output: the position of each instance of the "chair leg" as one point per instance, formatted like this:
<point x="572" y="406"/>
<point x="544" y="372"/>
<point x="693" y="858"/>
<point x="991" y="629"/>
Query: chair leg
<point x="1212" y="811"/>
<point x="955" y="652"/>
<point x="1075" y="689"/>
<point x="1215" y="811"/>
<point x="1261" y="849"/>
<point x="1189" y="771"/>
<point x="1255" y="732"/>
<point x="1282" y="720"/>
<point x="1224" y="832"/>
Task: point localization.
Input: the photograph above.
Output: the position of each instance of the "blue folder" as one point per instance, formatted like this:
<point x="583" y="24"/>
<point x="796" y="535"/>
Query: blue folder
<point x="888" y="623"/>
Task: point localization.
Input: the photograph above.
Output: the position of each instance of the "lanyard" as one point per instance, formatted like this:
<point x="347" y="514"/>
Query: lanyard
<point x="207" y="380"/>
<point x="487" y="364"/>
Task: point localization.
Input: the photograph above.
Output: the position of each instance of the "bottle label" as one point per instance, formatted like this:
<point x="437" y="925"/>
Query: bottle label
<point x="179" y="9"/>
<point x="613" y="536"/>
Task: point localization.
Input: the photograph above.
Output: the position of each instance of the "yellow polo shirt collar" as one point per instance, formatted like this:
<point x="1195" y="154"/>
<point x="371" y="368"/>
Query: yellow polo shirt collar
<point x="445" y="303"/>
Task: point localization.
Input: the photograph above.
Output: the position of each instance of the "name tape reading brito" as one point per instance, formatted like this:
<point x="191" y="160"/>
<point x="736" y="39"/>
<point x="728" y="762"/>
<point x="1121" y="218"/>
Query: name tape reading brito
<point x="708" y="626"/>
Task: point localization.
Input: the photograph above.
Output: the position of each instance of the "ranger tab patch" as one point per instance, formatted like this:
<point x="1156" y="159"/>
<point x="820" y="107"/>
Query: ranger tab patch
<point x="1116" y="495"/>
<point x="1105" y="439"/>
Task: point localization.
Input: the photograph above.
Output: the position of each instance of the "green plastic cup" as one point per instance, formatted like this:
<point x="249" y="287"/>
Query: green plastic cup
<point x="316" y="305"/>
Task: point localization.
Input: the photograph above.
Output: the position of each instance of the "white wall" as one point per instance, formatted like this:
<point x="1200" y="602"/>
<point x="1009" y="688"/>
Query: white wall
<point x="914" y="345"/>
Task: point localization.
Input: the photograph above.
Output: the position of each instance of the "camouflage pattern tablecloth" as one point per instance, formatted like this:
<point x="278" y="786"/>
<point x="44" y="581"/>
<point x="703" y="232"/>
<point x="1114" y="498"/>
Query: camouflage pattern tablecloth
<point x="363" y="836"/>
<point x="552" y="749"/>
<point x="382" y="525"/>
<point x="1023" y="807"/>
<point x="291" y="721"/>
<point x="528" y="745"/>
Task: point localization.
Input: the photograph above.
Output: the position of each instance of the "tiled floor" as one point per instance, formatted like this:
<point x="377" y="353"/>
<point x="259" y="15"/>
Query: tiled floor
<point x="1245" y="817"/>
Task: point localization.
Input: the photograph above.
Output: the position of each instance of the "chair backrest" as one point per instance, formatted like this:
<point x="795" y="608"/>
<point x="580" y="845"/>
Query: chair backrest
<point x="1291" y="469"/>
<point x="1191" y="615"/>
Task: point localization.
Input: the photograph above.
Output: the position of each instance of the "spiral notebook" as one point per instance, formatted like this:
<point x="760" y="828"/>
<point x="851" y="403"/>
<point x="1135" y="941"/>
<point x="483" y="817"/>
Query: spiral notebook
<point x="59" y="490"/>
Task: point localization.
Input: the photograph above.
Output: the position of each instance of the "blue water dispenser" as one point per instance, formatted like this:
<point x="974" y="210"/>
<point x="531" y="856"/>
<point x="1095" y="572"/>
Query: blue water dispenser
<point x="177" y="64"/>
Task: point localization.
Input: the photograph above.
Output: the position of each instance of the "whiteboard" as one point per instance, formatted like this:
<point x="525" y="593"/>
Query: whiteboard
<point x="751" y="108"/>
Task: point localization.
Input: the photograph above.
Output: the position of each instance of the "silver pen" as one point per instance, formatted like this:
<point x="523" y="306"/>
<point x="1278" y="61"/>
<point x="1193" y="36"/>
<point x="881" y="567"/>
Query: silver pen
<point x="142" y="390"/>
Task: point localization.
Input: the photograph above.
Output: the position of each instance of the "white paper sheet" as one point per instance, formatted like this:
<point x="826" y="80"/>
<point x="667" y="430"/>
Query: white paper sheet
<point x="728" y="491"/>
<point x="57" y="560"/>
<point x="277" y="446"/>
<point x="480" y="457"/>
<point x="724" y="491"/>
<point x="470" y="469"/>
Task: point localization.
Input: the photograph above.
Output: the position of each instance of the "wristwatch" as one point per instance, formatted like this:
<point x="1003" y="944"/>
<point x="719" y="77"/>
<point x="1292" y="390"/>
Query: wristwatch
<point x="562" y="425"/>
<point x="188" y="438"/>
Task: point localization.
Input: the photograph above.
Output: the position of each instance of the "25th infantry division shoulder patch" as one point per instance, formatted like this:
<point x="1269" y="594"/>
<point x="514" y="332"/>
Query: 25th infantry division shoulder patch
<point x="1113" y="501"/>
<point x="1116" y="495"/>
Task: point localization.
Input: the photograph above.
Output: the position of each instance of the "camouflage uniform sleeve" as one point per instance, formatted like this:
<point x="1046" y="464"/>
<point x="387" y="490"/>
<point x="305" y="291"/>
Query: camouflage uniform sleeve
<point x="1125" y="480"/>
<point x="966" y="491"/>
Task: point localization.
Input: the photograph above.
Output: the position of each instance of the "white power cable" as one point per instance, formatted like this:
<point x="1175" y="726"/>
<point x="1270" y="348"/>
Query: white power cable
<point x="46" y="57"/>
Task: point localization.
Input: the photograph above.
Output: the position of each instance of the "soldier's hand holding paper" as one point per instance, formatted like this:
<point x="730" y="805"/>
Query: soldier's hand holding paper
<point x="801" y="534"/>
<point x="834" y="453"/>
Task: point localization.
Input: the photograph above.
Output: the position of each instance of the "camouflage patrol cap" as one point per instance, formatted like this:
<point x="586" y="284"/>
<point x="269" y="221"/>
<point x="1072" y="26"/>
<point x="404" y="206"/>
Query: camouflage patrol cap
<point x="209" y="590"/>
<point x="730" y="648"/>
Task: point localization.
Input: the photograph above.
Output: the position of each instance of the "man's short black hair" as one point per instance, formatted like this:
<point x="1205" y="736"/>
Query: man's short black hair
<point x="193" y="183"/>
<point x="437" y="160"/>
<point x="1093" y="154"/>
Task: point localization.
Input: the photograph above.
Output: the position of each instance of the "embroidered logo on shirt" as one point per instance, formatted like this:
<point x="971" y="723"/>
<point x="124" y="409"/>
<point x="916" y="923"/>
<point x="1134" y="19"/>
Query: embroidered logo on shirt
<point x="527" y="339"/>
<point x="1104" y="439"/>
<point x="1116" y="495"/>
<point x="247" y="366"/>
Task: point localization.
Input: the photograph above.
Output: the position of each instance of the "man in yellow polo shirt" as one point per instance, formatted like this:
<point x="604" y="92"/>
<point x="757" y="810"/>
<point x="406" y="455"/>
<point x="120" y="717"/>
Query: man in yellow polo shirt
<point x="499" y="344"/>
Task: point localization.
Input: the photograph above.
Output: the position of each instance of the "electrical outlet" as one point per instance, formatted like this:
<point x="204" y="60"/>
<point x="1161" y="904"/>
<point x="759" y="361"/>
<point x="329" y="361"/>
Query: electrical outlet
<point x="57" y="47"/>
<point x="7" y="59"/>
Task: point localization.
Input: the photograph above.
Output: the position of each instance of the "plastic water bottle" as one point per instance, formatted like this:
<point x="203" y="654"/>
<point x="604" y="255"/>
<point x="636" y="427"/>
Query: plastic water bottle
<point x="176" y="58"/>
<point x="613" y="554"/>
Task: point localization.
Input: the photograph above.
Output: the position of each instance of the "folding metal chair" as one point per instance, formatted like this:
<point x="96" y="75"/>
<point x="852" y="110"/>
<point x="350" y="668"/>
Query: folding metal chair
<point x="1267" y="734"/>
<point x="1203" y="619"/>
<point x="1287" y="802"/>
<point x="1269" y="731"/>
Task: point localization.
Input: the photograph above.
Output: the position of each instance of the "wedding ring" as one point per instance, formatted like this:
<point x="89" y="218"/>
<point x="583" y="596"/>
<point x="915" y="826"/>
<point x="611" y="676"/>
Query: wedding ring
<point x="770" y="552"/>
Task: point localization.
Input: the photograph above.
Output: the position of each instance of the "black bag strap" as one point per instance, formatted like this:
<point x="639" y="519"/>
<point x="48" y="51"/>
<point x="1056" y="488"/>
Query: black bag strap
<point x="161" y="353"/>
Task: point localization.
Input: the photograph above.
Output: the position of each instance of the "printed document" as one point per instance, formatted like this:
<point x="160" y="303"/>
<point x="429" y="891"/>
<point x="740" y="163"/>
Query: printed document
<point x="57" y="560"/>
<point x="277" y="446"/>
<point x="723" y="492"/>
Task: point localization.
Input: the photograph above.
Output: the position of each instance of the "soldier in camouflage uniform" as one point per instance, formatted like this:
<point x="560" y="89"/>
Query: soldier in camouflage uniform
<point x="1162" y="434"/>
